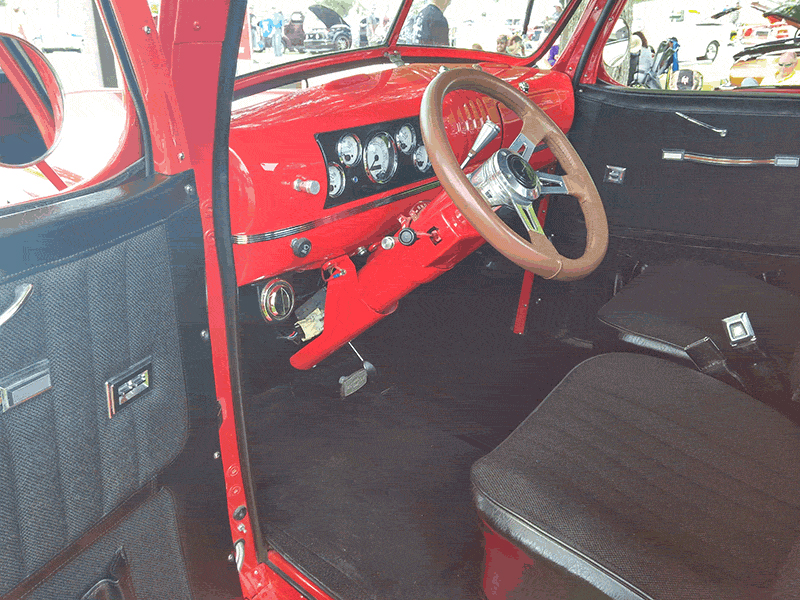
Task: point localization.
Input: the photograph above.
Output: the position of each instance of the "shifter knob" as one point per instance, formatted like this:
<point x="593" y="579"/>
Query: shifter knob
<point x="488" y="132"/>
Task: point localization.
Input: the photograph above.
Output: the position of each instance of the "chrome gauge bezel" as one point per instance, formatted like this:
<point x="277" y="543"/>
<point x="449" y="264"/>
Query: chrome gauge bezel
<point x="340" y="171"/>
<point x="359" y="185"/>
<point x="406" y="127"/>
<point x="427" y="166"/>
<point x="391" y="148"/>
<point x="340" y="151"/>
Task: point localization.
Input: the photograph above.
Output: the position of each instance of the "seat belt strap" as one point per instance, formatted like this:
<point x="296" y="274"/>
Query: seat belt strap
<point x="763" y="376"/>
<point x="708" y="359"/>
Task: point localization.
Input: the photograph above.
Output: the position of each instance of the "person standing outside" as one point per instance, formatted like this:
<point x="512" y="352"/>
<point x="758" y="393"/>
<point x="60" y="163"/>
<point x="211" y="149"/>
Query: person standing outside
<point x="787" y="71"/>
<point x="502" y="43"/>
<point x="277" y="32"/>
<point x="515" y="46"/>
<point x="431" y="27"/>
<point x="642" y="63"/>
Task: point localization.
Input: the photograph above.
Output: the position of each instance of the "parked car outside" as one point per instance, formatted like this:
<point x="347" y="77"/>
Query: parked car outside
<point x="335" y="33"/>
<point x="768" y="27"/>
<point x="749" y="33"/>
<point x="55" y="41"/>
<point x="700" y="38"/>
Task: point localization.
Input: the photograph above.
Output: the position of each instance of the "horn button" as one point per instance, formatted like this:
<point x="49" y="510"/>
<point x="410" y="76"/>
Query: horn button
<point x="506" y="178"/>
<point x="522" y="172"/>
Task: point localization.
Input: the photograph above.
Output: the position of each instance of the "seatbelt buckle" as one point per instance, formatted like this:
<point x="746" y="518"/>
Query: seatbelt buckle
<point x="739" y="329"/>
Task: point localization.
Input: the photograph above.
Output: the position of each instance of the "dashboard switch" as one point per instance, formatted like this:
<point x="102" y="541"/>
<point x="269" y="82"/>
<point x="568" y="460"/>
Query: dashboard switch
<point x="301" y="247"/>
<point x="407" y="236"/>
<point x="309" y="186"/>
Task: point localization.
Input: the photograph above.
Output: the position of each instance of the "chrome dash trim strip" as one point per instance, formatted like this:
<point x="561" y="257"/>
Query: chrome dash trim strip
<point x="243" y="239"/>
<point x="779" y="160"/>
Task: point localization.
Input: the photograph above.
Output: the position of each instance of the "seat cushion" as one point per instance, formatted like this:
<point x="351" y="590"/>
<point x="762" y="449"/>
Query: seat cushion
<point x="650" y="480"/>
<point x="676" y="305"/>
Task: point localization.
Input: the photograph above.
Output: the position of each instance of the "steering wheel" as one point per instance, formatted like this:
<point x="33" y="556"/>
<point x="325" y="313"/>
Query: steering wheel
<point x="537" y="254"/>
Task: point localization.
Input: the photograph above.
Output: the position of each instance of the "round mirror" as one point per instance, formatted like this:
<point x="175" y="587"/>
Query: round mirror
<point x="616" y="52"/>
<point x="31" y="103"/>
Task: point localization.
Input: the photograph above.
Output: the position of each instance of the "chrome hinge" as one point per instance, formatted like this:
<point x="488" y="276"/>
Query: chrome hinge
<point x="395" y="58"/>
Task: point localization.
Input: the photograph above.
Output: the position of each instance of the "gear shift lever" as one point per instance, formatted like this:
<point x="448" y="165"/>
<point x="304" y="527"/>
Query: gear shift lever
<point x="487" y="133"/>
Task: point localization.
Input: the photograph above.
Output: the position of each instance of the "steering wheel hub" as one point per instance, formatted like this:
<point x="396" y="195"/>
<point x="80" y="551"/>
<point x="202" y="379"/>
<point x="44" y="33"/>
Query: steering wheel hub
<point x="506" y="178"/>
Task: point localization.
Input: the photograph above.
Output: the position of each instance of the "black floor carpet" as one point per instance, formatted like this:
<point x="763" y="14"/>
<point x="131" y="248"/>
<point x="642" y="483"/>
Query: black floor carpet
<point x="370" y="494"/>
<point x="381" y="496"/>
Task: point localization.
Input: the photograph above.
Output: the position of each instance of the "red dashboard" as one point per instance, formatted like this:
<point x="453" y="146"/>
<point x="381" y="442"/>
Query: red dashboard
<point x="342" y="160"/>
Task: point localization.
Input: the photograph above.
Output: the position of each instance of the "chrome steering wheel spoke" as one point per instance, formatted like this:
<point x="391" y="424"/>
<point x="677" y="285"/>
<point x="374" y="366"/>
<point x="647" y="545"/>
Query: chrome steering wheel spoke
<point x="523" y="146"/>
<point x="552" y="184"/>
<point x="528" y="217"/>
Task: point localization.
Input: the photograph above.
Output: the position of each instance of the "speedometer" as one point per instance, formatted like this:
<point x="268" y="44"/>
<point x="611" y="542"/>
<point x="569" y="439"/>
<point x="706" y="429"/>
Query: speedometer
<point x="349" y="150"/>
<point x="380" y="157"/>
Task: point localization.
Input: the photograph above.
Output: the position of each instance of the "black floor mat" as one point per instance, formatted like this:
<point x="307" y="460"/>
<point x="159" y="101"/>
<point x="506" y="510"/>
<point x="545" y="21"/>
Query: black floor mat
<point x="370" y="494"/>
<point x="382" y="497"/>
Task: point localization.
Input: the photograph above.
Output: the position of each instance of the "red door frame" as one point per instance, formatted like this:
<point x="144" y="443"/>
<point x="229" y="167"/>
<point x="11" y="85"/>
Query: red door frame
<point x="177" y="68"/>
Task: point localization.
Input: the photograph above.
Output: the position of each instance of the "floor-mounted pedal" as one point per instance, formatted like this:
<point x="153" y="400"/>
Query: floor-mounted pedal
<point x="350" y="384"/>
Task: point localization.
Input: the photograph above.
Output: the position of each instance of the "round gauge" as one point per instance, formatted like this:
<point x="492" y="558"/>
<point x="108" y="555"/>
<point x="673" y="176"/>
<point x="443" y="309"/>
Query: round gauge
<point x="336" y="180"/>
<point x="421" y="160"/>
<point x="406" y="139"/>
<point x="349" y="150"/>
<point x="380" y="157"/>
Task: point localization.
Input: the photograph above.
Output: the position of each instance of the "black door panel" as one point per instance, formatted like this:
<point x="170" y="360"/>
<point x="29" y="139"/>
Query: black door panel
<point x="148" y="536"/>
<point x="744" y="206"/>
<point x="103" y="268"/>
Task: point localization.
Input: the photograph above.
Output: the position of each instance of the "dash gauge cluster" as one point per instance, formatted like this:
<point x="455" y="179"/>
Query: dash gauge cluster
<point x="364" y="161"/>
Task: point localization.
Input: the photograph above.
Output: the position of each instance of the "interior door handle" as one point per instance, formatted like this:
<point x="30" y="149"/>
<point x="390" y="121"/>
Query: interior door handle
<point x="21" y="294"/>
<point x="780" y="160"/>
